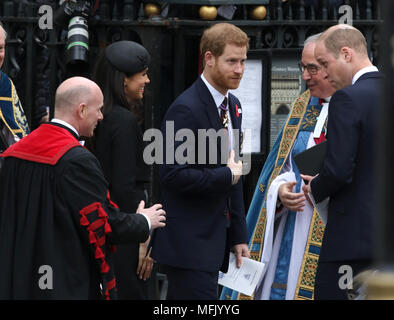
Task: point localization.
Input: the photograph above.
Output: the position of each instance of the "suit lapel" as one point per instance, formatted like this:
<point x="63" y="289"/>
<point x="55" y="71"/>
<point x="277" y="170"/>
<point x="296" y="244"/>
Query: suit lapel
<point x="213" y="114"/>
<point x="209" y="103"/>
<point x="235" y="120"/>
<point x="236" y="116"/>
<point x="212" y="110"/>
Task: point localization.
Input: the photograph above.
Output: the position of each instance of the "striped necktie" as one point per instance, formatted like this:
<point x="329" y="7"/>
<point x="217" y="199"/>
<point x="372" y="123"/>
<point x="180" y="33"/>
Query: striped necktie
<point x="223" y="113"/>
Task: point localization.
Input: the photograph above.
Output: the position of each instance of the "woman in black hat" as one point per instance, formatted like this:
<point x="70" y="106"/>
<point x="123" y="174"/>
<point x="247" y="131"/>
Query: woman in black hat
<point x="121" y="73"/>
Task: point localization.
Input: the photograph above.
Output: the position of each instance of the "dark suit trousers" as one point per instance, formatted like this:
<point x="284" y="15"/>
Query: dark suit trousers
<point x="187" y="284"/>
<point x="329" y="278"/>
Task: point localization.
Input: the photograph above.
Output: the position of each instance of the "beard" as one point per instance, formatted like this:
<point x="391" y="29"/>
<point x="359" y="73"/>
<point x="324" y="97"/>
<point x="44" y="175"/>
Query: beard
<point x="225" y="81"/>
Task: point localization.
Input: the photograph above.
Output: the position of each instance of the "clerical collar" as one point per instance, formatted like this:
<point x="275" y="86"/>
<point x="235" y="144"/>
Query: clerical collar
<point x="363" y="71"/>
<point x="66" y="124"/>
<point x="217" y="96"/>
<point x="70" y="127"/>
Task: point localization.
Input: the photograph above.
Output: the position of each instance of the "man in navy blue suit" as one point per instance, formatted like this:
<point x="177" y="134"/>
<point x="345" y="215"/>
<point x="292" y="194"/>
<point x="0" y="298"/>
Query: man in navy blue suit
<point x="347" y="176"/>
<point x="203" y="197"/>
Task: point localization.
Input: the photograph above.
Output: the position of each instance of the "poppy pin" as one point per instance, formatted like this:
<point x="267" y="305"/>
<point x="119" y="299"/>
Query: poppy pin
<point x="238" y="110"/>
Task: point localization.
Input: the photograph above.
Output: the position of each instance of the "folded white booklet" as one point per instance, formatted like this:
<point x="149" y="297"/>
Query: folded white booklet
<point x="245" y="278"/>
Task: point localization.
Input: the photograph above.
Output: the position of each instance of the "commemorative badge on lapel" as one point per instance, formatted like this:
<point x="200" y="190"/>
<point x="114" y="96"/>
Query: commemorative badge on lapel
<point x="238" y="110"/>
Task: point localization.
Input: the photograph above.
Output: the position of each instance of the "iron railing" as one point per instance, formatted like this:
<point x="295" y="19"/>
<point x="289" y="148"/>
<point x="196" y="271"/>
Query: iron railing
<point x="36" y="58"/>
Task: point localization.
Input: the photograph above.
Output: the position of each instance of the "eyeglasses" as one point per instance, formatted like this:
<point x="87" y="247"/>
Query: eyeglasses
<point x="312" y="68"/>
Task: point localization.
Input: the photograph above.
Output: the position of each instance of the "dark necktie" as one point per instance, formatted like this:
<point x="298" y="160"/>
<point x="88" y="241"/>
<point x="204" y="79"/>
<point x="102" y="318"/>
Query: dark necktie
<point x="223" y="113"/>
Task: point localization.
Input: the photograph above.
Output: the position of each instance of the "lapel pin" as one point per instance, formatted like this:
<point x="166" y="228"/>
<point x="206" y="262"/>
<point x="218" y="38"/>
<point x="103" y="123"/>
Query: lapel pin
<point x="238" y="110"/>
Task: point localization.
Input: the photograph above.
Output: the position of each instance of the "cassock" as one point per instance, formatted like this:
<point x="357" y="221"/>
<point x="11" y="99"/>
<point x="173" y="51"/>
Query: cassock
<point x="58" y="226"/>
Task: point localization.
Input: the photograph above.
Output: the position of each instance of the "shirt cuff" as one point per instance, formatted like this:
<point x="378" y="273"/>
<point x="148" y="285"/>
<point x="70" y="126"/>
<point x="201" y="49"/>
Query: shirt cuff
<point x="147" y="219"/>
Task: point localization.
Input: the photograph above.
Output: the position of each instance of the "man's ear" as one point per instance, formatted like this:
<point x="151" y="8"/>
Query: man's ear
<point x="81" y="110"/>
<point x="347" y="54"/>
<point x="209" y="59"/>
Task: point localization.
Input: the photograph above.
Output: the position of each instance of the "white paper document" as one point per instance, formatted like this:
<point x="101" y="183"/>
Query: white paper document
<point x="245" y="278"/>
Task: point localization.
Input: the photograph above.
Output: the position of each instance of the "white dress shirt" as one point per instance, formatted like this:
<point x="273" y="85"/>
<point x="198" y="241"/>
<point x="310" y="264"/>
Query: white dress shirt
<point x="218" y="98"/>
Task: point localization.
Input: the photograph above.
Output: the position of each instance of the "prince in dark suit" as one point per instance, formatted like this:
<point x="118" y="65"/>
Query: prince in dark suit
<point x="347" y="176"/>
<point x="203" y="196"/>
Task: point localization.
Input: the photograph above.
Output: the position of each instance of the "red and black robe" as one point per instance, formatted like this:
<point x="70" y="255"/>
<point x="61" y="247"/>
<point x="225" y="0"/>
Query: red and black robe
<point x="55" y="211"/>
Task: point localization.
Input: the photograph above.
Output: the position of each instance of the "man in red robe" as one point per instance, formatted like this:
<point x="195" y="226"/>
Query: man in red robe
<point x="58" y="225"/>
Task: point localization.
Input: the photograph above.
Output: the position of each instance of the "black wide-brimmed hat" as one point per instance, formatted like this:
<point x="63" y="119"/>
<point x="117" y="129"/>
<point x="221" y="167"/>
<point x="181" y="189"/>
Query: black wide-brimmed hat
<point x="128" y="56"/>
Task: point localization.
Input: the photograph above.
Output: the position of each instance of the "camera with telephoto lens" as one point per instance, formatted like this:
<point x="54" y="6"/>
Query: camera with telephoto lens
<point x="74" y="15"/>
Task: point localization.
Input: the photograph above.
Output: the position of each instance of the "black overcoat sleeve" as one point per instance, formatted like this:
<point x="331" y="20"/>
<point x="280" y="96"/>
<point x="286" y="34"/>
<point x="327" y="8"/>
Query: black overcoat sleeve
<point x="83" y="185"/>
<point x="343" y="134"/>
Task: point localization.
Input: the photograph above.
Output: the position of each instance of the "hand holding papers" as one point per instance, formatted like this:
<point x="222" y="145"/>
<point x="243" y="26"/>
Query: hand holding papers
<point x="245" y="278"/>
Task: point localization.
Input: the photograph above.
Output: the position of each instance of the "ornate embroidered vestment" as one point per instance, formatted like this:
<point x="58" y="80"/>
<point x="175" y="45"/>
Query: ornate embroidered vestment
<point x="303" y="116"/>
<point x="11" y="112"/>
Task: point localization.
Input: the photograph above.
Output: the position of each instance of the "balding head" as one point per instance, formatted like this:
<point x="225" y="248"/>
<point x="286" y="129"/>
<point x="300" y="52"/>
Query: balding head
<point x="3" y="36"/>
<point x="72" y="92"/>
<point x="343" y="35"/>
<point x="78" y="101"/>
<point x="2" y="31"/>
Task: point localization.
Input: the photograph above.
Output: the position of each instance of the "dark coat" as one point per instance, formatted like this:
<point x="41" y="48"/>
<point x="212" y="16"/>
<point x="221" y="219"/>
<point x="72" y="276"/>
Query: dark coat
<point x="197" y="196"/>
<point x="348" y="175"/>
<point x="119" y="148"/>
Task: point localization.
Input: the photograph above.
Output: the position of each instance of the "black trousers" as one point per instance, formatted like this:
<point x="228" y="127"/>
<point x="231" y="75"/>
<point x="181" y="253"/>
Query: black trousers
<point x="331" y="281"/>
<point x="187" y="284"/>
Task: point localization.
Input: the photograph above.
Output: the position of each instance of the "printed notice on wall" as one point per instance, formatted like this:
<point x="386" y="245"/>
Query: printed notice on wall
<point x="249" y="94"/>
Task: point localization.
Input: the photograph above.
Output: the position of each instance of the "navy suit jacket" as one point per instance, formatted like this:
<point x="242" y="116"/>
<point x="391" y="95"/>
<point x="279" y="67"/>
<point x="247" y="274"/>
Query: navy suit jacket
<point x="196" y="196"/>
<point x="347" y="176"/>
